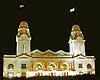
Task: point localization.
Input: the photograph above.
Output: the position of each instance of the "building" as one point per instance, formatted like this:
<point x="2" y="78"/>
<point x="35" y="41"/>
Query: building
<point x="48" y="63"/>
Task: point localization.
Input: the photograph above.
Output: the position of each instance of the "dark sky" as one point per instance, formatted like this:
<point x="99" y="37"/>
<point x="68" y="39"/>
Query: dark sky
<point x="51" y="22"/>
<point x="50" y="25"/>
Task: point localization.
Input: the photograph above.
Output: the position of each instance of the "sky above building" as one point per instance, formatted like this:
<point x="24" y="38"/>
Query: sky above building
<point x="50" y="24"/>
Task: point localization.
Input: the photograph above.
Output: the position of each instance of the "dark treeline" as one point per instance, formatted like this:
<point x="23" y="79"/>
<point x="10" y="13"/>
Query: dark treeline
<point x="79" y="77"/>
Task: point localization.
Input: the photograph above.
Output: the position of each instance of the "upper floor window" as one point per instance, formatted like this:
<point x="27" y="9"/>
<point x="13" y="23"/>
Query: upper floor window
<point x="23" y="66"/>
<point x="80" y="66"/>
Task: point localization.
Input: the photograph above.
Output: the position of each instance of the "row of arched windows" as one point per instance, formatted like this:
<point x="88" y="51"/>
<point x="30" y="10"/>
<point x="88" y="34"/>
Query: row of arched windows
<point x="40" y="66"/>
<point x="51" y="66"/>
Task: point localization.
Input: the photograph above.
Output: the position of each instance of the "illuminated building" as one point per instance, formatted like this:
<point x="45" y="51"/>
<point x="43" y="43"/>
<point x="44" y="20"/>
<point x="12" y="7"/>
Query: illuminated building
<point x="48" y="63"/>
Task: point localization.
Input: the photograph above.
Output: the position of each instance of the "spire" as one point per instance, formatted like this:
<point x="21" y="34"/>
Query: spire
<point x="23" y="29"/>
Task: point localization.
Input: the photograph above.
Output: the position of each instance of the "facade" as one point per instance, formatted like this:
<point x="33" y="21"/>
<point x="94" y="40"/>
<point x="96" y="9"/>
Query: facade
<point x="48" y="63"/>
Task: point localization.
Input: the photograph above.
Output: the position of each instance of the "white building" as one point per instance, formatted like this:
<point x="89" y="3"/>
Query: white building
<point x="48" y="63"/>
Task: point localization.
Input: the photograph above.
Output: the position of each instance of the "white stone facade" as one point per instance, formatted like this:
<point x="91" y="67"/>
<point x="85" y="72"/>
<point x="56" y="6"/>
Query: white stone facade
<point x="48" y="63"/>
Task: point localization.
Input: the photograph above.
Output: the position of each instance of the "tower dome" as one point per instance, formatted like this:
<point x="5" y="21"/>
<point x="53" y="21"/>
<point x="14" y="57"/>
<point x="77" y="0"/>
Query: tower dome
<point x="76" y="32"/>
<point x="75" y="27"/>
<point x="23" y="24"/>
<point x="23" y="29"/>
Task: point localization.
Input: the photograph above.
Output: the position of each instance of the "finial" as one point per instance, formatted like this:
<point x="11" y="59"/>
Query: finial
<point x="23" y="24"/>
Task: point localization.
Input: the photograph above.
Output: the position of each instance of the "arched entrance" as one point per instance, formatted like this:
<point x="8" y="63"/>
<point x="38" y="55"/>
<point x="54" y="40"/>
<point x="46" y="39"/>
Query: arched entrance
<point x="64" y="67"/>
<point x="52" y="68"/>
<point x="39" y="68"/>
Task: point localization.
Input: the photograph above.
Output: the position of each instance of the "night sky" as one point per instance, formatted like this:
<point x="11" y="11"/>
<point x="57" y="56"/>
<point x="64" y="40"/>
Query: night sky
<point x="50" y="25"/>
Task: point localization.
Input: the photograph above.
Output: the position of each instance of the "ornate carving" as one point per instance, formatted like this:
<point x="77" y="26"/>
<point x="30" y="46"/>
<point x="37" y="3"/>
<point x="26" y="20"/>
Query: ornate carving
<point x="23" y="24"/>
<point x="76" y="28"/>
<point x="76" y="32"/>
<point x="23" y="29"/>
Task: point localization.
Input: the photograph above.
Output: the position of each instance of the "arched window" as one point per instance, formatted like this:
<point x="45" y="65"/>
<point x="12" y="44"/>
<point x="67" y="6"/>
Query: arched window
<point x="10" y="66"/>
<point x="52" y="66"/>
<point x="39" y="66"/>
<point x="89" y="66"/>
<point x="64" y="66"/>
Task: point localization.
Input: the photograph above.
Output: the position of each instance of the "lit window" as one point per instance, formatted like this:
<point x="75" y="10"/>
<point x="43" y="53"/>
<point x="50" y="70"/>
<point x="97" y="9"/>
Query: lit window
<point x="23" y="66"/>
<point x="64" y="66"/>
<point x="80" y="66"/>
<point x="39" y="66"/>
<point x="52" y="66"/>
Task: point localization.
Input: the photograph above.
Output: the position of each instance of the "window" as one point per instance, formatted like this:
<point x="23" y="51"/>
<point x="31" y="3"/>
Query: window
<point x="64" y="66"/>
<point x="10" y="66"/>
<point x="89" y="66"/>
<point x="52" y="66"/>
<point x="80" y="66"/>
<point x="23" y="66"/>
<point x="39" y="66"/>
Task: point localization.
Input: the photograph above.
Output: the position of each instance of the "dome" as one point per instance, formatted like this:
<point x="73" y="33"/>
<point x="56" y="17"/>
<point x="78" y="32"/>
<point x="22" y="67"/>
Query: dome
<point x="75" y="27"/>
<point x="23" y="24"/>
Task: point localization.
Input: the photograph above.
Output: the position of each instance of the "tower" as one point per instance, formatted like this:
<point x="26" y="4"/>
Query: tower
<point x="23" y="39"/>
<point x="77" y="42"/>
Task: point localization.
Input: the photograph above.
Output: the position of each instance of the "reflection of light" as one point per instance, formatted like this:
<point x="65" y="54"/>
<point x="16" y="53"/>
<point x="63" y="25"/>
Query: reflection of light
<point x="10" y="75"/>
<point x="72" y="73"/>
<point x="31" y="74"/>
<point x="39" y="70"/>
<point x="21" y="6"/>
<point x="54" y="72"/>
<point x="59" y="73"/>
<point x="72" y="10"/>
<point x="18" y="75"/>
<point x="46" y="73"/>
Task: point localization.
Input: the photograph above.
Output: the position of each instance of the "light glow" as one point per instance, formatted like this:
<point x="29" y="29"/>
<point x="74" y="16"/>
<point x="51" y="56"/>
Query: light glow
<point x="72" y="10"/>
<point x="10" y="75"/>
<point x="51" y="73"/>
<point x="21" y="6"/>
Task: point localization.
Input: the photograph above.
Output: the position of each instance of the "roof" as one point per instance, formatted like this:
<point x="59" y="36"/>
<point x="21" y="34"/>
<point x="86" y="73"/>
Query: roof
<point x="48" y="53"/>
